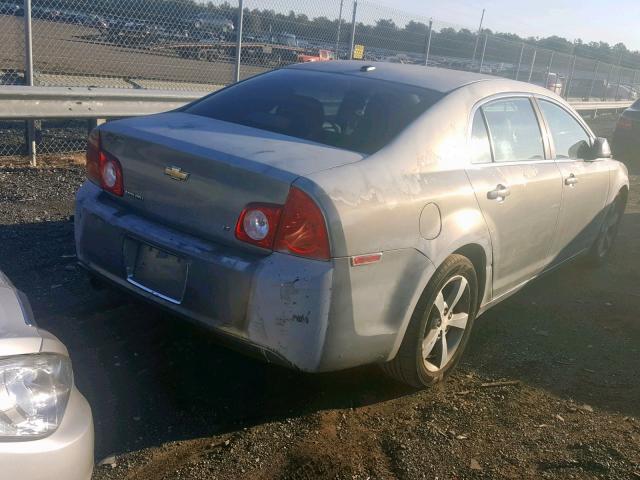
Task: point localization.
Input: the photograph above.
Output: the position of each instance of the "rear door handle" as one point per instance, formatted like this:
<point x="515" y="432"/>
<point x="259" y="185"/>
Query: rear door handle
<point x="500" y="193"/>
<point x="571" y="180"/>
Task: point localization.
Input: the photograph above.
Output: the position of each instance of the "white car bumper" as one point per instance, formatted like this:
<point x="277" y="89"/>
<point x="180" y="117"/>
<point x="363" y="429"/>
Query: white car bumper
<point x="66" y="454"/>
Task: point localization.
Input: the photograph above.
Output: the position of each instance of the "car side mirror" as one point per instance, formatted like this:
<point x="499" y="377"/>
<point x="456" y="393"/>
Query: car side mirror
<point x="599" y="149"/>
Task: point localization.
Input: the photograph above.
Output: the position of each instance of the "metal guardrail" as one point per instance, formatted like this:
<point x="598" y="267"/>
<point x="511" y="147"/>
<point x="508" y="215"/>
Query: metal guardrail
<point x="27" y="103"/>
<point x="37" y="103"/>
<point x="582" y="106"/>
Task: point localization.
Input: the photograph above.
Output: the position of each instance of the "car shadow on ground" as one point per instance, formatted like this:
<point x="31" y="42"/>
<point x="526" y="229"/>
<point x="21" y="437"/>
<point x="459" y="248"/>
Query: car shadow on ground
<point x="151" y="377"/>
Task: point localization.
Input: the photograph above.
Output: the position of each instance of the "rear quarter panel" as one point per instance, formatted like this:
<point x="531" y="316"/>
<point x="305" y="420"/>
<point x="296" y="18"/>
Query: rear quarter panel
<point x="375" y="205"/>
<point x="618" y="179"/>
<point x="412" y="201"/>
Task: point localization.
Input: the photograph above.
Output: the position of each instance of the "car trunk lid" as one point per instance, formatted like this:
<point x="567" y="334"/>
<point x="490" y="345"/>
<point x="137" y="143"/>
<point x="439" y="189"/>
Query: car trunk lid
<point x="197" y="174"/>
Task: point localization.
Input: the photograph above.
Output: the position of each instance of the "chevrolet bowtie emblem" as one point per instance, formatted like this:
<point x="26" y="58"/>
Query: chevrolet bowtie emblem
<point x="176" y="173"/>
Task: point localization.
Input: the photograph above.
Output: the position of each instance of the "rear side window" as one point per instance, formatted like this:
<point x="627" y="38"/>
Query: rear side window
<point x="569" y="138"/>
<point x="514" y="129"/>
<point x="344" y="111"/>
<point x="480" y="145"/>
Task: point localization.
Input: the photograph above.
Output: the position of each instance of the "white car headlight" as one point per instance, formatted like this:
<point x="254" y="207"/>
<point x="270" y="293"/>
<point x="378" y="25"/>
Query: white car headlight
<point x="34" y="390"/>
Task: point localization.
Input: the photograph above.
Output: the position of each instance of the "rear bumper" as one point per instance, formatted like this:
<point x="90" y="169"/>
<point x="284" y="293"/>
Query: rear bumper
<point x="276" y="305"/>
<point x="306" y="314"/>
<point x="65" y="454"/>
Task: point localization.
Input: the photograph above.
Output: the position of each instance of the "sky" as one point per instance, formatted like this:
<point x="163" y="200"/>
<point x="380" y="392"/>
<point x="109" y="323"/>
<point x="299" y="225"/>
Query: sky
<point x="611" y="21"/>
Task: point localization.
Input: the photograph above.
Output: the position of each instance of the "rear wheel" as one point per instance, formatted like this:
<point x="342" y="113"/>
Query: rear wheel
<point x="440" y="326"/>
<point x="608" y="232"/>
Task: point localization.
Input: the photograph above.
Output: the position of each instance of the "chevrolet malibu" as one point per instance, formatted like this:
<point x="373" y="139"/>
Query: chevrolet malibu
<point x="46" y="427"/>
<point x="336" y="214"/>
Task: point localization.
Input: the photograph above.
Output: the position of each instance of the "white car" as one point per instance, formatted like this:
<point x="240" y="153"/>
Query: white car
<point x="46" y="426"/>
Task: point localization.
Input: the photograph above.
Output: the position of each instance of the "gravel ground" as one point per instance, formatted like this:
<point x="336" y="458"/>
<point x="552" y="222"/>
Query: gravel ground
<point x="170" y="404"/>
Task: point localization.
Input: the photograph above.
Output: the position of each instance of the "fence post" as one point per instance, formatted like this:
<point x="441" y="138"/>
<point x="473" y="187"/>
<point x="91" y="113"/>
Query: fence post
<point x="353" y="29"/>
<point x="484" y="49"/>
<point x="619" y="81"/>
<point x="475" y="47"/>
<point x="570" y="79"/>
<point x="606" y="87"/>
<point x="28" y="79"/>
<point x="520" y="61"/>
<point x="533" y="64"/>
<point x="546" y="84"/>
<point x="427" y="48"/>
<point x="593" y="81"/>
<point x="239" y="39"/>
<point x="337" y="55"/>
<point x="633" y="85"/>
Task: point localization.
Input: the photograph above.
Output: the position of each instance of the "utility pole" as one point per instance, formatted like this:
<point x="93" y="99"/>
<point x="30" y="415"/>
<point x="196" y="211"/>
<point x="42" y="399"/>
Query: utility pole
<point x="475" y="49"/>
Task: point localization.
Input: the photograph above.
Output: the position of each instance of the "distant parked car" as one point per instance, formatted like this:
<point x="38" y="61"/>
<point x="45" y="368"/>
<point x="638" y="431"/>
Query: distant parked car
<point x="626" y="137"/>
<point x="93" y="21"/>
<point x="46" y="427"/>
<point x="556" y="83"/>
<point x="334" y="214"/>
<point x="11" y="9"/>
<point x="130" y="32"/>
<point x="207" y="22"/>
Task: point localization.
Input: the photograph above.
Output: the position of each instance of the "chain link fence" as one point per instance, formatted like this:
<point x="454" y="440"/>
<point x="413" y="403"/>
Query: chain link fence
<point x="194" y="46"/>
<point x="12" y="134"/>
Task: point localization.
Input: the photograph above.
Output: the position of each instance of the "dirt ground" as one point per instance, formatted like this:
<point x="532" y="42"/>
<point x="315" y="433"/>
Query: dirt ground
<point x="169" y="403"/>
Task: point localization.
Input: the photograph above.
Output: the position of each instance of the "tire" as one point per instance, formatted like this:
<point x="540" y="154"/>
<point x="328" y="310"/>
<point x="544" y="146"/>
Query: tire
<point x="419" y="362"/>
<point x="601" y="248"/>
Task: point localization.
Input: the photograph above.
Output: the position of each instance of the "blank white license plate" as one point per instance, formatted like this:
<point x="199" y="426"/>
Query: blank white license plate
<point x="160" y="273"/>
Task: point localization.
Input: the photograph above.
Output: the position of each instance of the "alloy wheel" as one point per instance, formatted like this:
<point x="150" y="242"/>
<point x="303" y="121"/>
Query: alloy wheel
<point x="609" y="231"/>
<point x="447" y="323"/>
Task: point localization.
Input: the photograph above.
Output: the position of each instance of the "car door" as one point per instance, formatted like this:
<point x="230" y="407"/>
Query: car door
<point x="585" y="182"/>
<point x="517" y="188"/>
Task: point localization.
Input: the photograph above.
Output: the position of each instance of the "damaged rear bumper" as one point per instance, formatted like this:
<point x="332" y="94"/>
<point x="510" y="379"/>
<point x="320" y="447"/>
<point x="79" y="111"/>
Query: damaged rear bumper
<point x="274" y="306"/>
<point x="307" y="314"/>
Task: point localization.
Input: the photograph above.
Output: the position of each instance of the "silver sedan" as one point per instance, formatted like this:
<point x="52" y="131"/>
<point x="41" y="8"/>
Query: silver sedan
<point x="46" y="427"/>
<point x="335" y="214"/>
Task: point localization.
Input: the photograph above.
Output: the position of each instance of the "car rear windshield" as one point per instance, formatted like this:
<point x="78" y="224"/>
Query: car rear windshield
<point x="636" y="105"/>
<point x="344" y="111"/>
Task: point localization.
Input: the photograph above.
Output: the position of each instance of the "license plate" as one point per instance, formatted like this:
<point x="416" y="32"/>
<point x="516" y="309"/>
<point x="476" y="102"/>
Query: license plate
<point x="160" y="273"/>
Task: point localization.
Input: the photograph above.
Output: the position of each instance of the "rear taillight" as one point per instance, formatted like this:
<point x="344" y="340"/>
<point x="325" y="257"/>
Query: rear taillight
<point x="625" y="123"/>
<point x="302" y="230"/>
<point x="103" y="168"/>
<point x="258" y="224"/>
<point x="297" y="228"/>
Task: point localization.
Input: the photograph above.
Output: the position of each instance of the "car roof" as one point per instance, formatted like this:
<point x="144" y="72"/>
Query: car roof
<point x="439" y="79"/>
